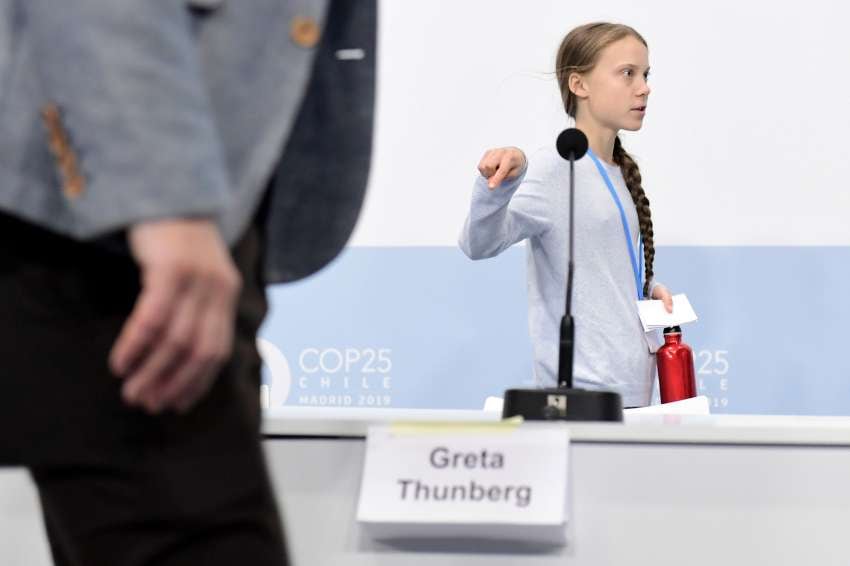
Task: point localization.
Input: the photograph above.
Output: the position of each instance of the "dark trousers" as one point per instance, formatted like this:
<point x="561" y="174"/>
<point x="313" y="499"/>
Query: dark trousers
<point x="117" y="486"/>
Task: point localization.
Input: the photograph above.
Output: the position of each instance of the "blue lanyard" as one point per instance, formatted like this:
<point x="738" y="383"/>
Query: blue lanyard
<point x="637" y="268"/>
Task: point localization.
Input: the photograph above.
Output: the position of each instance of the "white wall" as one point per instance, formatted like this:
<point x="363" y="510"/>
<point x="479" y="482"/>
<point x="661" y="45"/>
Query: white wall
<point x="743" y="143"/>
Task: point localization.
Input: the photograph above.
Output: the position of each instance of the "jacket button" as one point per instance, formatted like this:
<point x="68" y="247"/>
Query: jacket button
<point x="74" y="186"/>
<point x="304" y="31"/>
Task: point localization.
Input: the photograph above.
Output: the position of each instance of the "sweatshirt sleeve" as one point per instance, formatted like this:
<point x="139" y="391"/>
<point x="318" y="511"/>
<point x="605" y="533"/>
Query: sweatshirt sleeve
<point x="516" y="210"/>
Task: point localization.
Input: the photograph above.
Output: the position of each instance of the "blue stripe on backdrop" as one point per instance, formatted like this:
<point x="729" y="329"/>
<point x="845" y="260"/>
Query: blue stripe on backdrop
<point x="427" y="327"/>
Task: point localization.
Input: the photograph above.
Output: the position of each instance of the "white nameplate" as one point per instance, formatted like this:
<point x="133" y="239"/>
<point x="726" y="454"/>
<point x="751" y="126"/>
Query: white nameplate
<point x="490" y="480"/>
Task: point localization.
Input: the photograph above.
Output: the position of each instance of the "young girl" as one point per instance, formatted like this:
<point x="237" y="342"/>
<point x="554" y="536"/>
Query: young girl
<point x="602" y="72"/>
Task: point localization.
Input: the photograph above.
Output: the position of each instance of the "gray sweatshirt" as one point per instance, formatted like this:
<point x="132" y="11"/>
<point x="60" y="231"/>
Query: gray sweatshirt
<point x="611" y="349"/>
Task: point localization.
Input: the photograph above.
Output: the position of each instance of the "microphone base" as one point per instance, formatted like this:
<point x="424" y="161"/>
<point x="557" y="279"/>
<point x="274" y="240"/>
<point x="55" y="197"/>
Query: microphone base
<point x="557" y="404"/>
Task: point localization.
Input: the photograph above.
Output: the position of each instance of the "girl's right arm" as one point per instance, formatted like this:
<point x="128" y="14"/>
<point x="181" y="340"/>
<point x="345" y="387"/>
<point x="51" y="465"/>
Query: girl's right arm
<point x="509" y="204"/>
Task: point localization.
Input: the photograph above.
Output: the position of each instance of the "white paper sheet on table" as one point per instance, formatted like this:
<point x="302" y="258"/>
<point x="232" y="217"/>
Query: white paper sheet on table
<point x="693" y="406"/>
<point x="653" y="315"/>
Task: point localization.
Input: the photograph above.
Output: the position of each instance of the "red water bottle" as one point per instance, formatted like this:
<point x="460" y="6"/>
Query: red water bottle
<point x="675" y="367"/>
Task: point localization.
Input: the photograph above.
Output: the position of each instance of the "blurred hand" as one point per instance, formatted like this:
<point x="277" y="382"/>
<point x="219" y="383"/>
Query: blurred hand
<point x="180" y="331"/>
<point x="500" y="164"/>
<point x="661" y="293"/>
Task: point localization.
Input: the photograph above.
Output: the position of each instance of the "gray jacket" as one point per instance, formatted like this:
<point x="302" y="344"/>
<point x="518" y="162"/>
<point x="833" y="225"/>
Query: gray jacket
<point x="117" y="111"/>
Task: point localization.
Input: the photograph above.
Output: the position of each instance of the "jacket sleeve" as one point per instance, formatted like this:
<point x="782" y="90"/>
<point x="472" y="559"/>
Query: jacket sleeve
<point x="125" y="107"/>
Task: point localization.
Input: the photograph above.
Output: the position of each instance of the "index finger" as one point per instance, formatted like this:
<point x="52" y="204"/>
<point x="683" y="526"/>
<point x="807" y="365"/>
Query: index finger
<point x="502" y="172"/>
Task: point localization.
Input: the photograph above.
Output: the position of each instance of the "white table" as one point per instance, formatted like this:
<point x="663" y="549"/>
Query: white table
<point x="657" y="490"/>
<point x="677" y="490"/>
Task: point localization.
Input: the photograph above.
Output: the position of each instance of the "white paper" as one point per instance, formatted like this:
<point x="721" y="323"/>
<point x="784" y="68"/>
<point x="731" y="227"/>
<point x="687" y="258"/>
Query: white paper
<point x="466" y="480"/>
<point x="653" y="315"/>
<point x="692" y="406"/>
<point x="493" y="404"/>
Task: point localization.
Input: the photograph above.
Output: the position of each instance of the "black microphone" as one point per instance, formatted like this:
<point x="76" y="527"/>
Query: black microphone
<point x="565" y="402"/>
<point x="571" y="144"/>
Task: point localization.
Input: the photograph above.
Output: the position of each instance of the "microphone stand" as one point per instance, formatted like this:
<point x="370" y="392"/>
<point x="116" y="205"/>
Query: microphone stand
<point x="567" y="345"/>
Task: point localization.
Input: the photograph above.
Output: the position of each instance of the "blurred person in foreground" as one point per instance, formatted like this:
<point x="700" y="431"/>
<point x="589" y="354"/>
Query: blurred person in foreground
<point x="160" y="162"/>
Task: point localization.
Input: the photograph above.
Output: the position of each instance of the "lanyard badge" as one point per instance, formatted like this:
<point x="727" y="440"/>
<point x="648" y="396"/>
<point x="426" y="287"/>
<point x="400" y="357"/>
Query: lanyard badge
<point x="637" y="267"/>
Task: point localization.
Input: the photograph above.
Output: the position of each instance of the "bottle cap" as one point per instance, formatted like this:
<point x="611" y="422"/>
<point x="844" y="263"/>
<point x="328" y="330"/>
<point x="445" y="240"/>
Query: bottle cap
<point x="673" y="330"/>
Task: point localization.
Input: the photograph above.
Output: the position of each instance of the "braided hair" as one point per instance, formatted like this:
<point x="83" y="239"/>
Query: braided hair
<point x="631" y="174"/>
